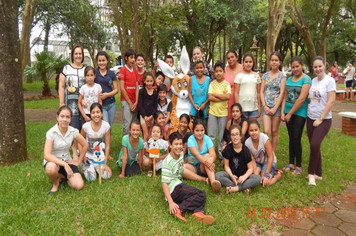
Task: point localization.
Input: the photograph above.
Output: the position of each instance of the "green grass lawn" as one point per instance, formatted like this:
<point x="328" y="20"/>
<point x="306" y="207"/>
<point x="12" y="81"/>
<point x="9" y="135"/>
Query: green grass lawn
<point x="136" y="206"/>
<point x="50" y="103"/>
<point x="36" y="86"/>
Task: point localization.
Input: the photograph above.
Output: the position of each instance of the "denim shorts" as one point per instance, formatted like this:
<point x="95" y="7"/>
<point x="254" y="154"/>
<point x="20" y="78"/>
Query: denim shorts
<point x="348" y="83"/>
<point x="198" y="170"/>
<point x="248" y="114"/>
<point x="264" y="167"/>
<point x="278" y="112"/>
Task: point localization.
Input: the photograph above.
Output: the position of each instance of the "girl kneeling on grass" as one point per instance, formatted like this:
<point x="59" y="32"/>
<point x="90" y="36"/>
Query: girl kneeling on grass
<point x="238" y="165"/>
<point x="261" y="148"/>
<point x="130" y="157"/>
<point x="97" y="134"/>
<point x="58" y="162"/>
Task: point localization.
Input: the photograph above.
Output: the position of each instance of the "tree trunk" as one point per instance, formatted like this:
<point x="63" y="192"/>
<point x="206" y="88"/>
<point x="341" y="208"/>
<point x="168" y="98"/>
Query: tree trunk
<point x="46" y="92"/>
<point x="12" y="119"/>
<point x="27" y="19"/>
<point x="274" y="24"/>
<point x="303" y="29"/>
<point x="47" y="29"/>
<point x="325" y="29"/>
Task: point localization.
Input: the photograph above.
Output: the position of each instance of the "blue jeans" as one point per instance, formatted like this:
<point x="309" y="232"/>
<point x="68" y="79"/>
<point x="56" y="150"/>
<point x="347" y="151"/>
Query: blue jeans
<point x="109" y="114"/>
<point x="214" y="123"/>
<point x="127" y="117"/>
<point x="249" y="114"/>
<point x="264" y="167"/>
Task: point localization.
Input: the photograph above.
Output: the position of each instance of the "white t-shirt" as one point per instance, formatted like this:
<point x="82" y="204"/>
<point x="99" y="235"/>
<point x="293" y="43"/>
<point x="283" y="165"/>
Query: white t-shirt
<point x="94" y="138"/>
<point x="90" y="95"/>
<point x="260" y="153"/>
<point x="61" y="144"/>
<point x="350" y="74"/>
<point x="318" y="96"/>
<point x="248" y="90"/>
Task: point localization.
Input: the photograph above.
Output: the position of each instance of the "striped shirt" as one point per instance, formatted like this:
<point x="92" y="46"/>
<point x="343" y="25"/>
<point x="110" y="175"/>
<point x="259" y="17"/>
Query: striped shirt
<point x="172" y="171"/>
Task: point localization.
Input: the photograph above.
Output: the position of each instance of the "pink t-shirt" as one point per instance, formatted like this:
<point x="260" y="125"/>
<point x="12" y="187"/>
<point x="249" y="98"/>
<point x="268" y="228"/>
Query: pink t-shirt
<point x="229" y="78"/>
<point x="130" y="78"/>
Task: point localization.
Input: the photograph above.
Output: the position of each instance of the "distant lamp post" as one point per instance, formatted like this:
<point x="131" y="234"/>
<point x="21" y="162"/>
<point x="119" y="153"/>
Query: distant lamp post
<point x="254" y="50"/>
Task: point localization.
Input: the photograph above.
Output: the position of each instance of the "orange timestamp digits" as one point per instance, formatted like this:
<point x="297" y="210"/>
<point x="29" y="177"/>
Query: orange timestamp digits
<point x="285" y="212"/>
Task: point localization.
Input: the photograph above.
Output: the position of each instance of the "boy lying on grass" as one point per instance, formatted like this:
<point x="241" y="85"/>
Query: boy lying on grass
<point x="181" y="197"/>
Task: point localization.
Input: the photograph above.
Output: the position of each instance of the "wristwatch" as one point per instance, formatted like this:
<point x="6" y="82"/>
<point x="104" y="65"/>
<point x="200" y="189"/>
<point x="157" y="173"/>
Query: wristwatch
<point x="321" y="118"/>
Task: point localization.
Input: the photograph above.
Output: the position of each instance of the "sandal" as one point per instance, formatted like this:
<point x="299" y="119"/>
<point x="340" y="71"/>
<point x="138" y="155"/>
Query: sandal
<point x="207" y="181"/>
<point x="228" y="190"/>
<point x="297" y="172"/>
<point x="52" y="192"/>
<point x="288" y="167"/>
<point x="277" y="172"/>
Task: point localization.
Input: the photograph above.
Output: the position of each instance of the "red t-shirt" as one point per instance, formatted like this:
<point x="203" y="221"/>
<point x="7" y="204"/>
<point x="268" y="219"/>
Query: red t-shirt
<point x="130" y="79"/>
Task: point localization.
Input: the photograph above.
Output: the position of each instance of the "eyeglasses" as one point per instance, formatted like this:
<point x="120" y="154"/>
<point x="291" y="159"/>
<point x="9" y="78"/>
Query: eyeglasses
<point x="235" y="135"/>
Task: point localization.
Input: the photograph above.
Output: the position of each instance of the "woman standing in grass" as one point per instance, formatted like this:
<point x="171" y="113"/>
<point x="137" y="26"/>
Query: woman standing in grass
<point x="247" y="89"/>
<point x="294" y="112"/>
<point x="238" y="165"/>
<point x="71" y="80"/>
<point x="322" y="98"/>
<point x="272" y="91"/>
<point x="231" y="71"/>
<point x="58" y="162"/>
<point x="198" y="92"/>
<point x="108" y="81"/>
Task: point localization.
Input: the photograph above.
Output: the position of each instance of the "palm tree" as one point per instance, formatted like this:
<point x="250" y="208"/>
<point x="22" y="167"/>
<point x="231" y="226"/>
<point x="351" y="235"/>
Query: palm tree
<point x="46" y="64"/>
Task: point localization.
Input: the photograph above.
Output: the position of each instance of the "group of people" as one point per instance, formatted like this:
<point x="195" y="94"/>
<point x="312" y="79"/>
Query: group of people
<point x="226" y="99"/>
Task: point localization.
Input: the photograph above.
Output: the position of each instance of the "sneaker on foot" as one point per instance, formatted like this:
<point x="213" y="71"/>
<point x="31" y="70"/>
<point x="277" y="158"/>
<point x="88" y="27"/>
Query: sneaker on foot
<point x="178" y="214"/>
<point x="206" y="219"/>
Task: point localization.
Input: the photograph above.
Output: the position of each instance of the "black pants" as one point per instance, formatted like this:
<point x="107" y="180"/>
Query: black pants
<point x="295" y="130"/>
<point x="134" y="169"/>
<point x="189" y="198"/>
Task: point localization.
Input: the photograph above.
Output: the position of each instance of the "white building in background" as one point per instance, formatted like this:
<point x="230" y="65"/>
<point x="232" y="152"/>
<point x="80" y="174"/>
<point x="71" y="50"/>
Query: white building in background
<point x="59" y="42"/>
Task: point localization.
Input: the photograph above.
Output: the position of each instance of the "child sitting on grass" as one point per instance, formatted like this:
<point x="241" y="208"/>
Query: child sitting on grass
<point x="130" y="157"/>
<point x="181" y="197"/>
<point x="155" y="141"/>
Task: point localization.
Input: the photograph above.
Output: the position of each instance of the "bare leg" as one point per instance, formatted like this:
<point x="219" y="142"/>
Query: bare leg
<point x="276" y="120"/>
<point x="189" y="173"/>
<point x="52" y="173"/>
<point x="266" y="125"/>
<point x="76" y="181"/>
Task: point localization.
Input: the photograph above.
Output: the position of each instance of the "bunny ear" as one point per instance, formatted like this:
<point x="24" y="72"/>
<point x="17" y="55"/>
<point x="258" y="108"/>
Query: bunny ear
<point x="184" y="61"/>
<point x="166" y="69"/>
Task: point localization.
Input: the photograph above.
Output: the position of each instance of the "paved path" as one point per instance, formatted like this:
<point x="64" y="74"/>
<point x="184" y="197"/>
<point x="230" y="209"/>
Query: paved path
<point x="338" y="218"/>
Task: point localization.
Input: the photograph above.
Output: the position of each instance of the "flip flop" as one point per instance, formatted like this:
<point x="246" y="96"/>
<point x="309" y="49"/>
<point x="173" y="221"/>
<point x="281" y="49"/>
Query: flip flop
<point x="52" y="192"/>
<point x="288" y="167"/>
<point x="297" y="172"/>
<point x="228" y="190"/>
